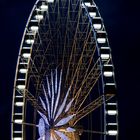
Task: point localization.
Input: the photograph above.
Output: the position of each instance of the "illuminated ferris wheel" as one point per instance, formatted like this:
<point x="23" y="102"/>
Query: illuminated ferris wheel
<point x="64" y="85"/>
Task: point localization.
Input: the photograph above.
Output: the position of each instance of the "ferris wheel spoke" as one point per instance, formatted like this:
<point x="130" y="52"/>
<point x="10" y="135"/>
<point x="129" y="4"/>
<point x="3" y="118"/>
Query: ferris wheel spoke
<point x="35" y="75"/>
<point x="26" y="124"/>
<point x="83" y="68"/>
<point x="66" y="33"/>
<point x="41" y="41"/>
<point x="40" y="59"/>
<point x="73" y="45"/>
<point x="91" y="107"/>
<point x="80" y="65"/>
<point x="83" y="62"/>
<point x="33" y="101"/>
<point x="87" y="85"/>
<point x="47" y="102"/>
<point x="94" y="132"/>
<point x="75" y="52"/>
<point x="58" y="94"/>
<point x="34" y="71"/>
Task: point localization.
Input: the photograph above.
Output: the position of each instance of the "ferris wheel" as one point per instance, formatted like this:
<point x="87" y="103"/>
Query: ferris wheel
<point x="64" y="85"/>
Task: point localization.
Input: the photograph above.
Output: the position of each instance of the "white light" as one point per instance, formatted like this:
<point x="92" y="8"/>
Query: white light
<point x="18" y="121"/>
<point x="69" y="129"/>
<point x="23" y="70"/>
<point x="26" y="55"/>
<point x="101" y="40"/>
<point x="17" y="138"/>
<point x="29" y="41"/>
<point x="88" y="4"/>
<point x="17" y="131"/>
<point x="19" y="103"/>
<point x="44" y="7"/>
<point x="23" y="63"/>
<point x="108" y="65"/>
<point x="112" y="132"/>
<point x="39" y="17"/>
<point x="105" y="48"/>
<point x="30" y="33"/>
<point x="112" y="112"/>
<point x="92" y="14"/>
<point x="110" y="84"/>
<point x="21" y="87"/>
<point x="18" y="114"/>
<point x="111" y="103"/>
<point x="21" y="79"/>
<point x="105" y="56"/>
<point x="34" y="28"/>
<point x="112" y="124"/>
<point x="97" y="26"/>
<point x="26" y="48"/>
<point x="108" y="73"/>
<point x="19" y="96"/>
<point x="50" y="1"/>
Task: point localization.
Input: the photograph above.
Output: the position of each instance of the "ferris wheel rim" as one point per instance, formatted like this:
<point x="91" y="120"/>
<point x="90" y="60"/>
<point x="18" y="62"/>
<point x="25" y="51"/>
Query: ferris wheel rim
<point x="27" y="56"/>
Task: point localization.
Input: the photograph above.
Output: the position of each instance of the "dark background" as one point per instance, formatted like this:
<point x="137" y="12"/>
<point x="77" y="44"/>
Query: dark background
<point x="122" y="20"/>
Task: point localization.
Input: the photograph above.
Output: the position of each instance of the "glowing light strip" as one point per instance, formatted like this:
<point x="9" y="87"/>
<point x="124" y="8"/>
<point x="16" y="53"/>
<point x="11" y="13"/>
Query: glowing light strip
<point x="61" y="135"/>
<point x="56" y="81"/>
<point x="42" y="102"/>
<point x="47" y="102"/>
<point x="17" y="138"/>
<point x="58" y="95"/>
<point x="48" y="85"/>
<point x="64" y="120"/>
<point x="52" y="98"/>
<point x="69" y="105"/>
<point x="63" y="105"/>
<point x="44" y="117"/>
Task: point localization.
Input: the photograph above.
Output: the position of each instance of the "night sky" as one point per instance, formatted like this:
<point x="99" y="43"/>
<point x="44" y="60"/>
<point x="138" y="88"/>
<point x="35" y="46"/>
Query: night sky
<point x="122" y="20"/>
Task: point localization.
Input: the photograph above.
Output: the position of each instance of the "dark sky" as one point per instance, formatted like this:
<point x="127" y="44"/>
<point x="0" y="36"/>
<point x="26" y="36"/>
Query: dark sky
<point x="122" y="20"/>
